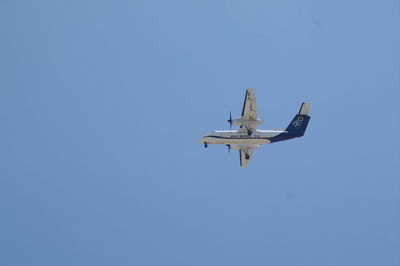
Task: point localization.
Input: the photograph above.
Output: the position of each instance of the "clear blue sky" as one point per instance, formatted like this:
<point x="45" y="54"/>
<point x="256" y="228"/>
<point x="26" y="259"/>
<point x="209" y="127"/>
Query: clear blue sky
<point x="102" y="103"/>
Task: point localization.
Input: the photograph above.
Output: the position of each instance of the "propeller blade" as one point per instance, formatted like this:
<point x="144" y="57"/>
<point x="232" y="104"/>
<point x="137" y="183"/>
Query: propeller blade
<point x="230" y="120"/>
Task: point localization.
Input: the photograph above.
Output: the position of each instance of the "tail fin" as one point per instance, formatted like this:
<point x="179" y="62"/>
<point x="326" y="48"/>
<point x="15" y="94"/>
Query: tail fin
<point x="300" y="121"/>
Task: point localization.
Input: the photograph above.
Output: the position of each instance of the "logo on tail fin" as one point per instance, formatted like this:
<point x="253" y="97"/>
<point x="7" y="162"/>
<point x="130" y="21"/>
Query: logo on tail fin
<point x="298" y="123"/>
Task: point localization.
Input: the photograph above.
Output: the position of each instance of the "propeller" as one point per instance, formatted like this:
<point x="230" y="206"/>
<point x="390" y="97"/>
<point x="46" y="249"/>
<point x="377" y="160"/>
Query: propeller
<point x="230" y="120"/>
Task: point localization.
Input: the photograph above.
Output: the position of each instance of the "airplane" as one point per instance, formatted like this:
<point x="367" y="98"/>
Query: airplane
<point x="248" y="138"/>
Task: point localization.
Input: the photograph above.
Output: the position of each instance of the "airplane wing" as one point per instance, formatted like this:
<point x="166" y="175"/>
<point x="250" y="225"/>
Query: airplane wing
<point x="249" y="113"/>
<point x="245" y="156"/>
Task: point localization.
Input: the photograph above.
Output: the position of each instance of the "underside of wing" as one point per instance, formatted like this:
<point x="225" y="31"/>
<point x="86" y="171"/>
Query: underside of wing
<point x="245" y="157"/>
<point x="249" y="111"/>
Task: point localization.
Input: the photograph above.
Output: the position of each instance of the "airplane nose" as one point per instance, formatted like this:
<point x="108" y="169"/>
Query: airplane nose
<point x="203" y="139"/>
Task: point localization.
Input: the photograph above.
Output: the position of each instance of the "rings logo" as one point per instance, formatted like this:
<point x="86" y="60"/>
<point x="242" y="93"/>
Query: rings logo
<point x="298" y="122"/>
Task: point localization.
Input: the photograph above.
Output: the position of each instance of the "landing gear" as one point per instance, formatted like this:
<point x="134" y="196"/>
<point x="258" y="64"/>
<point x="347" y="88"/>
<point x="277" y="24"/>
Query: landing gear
<point x="205" y="145"/>
<point x="249" y="132"/>
<point x="247" y="156"/>
<point x="229" y="147"/>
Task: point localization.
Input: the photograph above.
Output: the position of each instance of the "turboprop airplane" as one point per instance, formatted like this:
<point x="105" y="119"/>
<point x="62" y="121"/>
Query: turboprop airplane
<point x="247" y="138"/>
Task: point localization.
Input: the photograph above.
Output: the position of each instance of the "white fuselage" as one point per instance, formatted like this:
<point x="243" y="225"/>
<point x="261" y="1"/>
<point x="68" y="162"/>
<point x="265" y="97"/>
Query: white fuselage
<point x="232" y="137"/>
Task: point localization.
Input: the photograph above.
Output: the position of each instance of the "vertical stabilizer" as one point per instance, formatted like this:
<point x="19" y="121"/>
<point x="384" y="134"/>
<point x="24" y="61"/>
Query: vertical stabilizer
<point x="300" y="121"/>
